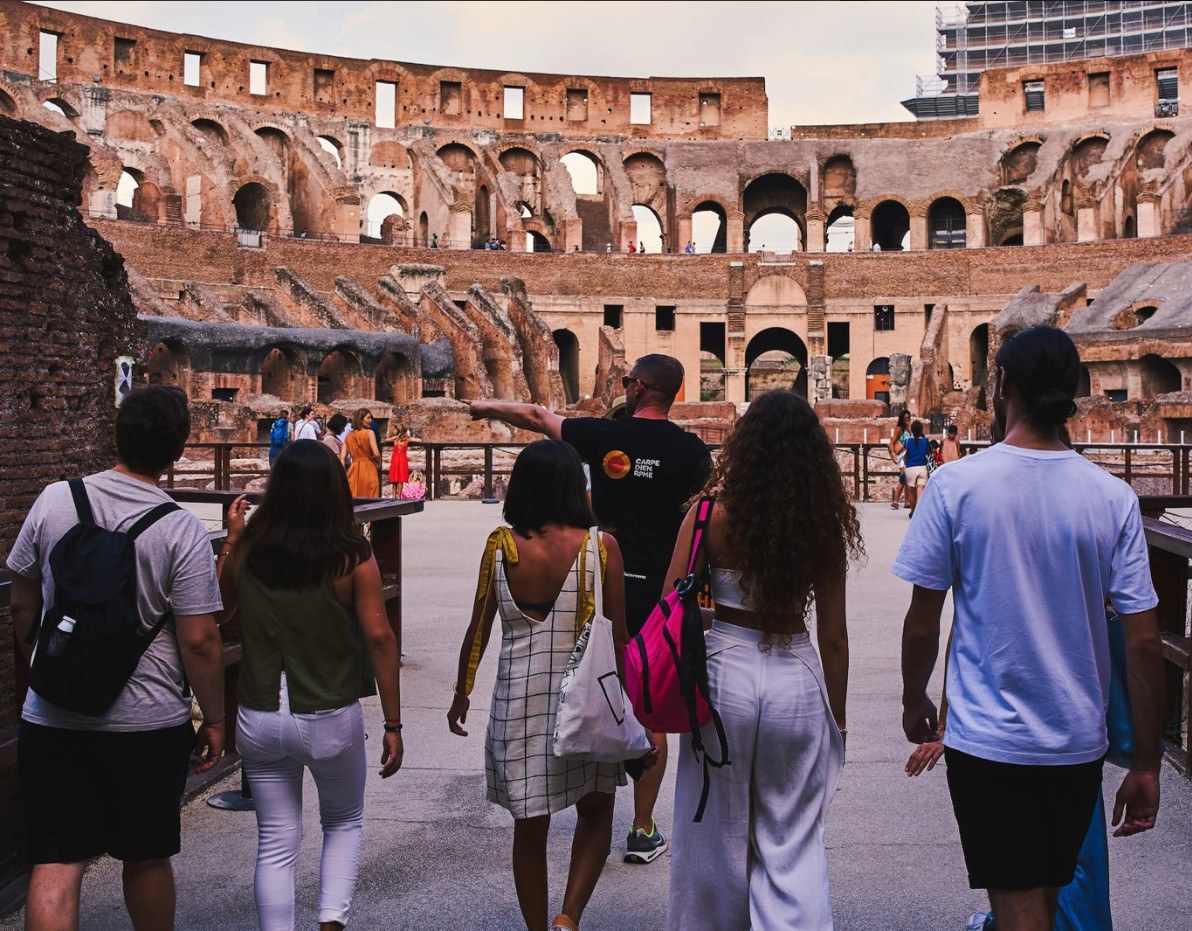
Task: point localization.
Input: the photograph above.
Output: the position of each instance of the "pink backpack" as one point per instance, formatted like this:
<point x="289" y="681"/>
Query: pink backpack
<point x="666" y="664"/>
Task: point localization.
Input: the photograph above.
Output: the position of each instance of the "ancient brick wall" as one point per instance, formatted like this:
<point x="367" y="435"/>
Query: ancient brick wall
<point x="65" y="317"/>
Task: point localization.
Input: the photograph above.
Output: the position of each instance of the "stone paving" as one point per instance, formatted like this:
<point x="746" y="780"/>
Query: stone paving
<point x="436" y="854"/>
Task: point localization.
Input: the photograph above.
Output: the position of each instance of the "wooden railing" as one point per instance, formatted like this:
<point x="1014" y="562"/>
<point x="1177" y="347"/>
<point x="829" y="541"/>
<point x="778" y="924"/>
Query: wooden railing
<point x="1167" y="467"/>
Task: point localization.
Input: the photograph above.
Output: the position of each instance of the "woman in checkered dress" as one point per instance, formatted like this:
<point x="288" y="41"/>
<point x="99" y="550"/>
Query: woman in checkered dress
<point x="535" y="577"/>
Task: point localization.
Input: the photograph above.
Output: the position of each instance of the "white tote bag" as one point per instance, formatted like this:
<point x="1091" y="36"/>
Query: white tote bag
<point x="595" y="719"/>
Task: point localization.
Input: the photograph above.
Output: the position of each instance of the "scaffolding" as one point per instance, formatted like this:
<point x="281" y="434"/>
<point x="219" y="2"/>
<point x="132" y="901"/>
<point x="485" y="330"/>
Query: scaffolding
<point x="979" y="37"/>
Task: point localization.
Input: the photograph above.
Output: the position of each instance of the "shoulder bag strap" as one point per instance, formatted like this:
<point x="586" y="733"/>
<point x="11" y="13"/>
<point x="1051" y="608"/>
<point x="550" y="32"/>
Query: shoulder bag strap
<point x="82" y="503"/>
<point x="154" y="515"/>
<point x="594" y="561"/>
<point x="703" y="515"/>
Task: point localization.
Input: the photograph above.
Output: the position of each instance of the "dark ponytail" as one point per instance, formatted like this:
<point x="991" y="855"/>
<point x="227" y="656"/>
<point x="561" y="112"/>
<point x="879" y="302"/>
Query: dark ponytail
<point x="1044" y="366"/>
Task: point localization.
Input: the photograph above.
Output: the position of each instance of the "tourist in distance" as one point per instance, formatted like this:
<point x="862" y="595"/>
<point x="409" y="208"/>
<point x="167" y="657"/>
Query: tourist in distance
<point x="632" y="247"/>
<point x="781" y="535"/>
<point x="641" y="248"/>
<point x="309" y="593"/>
<point x="1029" y="637"/>
<point x="897" y="446"/>
<point x="113" y="783"/>
<point x="536" y="575"/>
<point x="916" y="452"/>
<point x="434" y="240"/>
<point x="331" y="436"/>
<point x="399" y="462"/>
<point x="307" y="427"/>
<point x="690" y="248"/>
<point x="950" y="445"/>
<point x="644" y="471"/>
<point x="279" y="435"/>
<point x="364" y="473"/>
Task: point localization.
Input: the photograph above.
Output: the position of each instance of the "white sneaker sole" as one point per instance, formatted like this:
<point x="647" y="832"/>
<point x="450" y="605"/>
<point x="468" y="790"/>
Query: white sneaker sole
<point x="643" y="857"/>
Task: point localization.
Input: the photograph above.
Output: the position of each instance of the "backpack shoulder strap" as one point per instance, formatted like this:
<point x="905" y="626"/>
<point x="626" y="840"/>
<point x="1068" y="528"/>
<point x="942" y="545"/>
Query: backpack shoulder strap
<point x="156" y="514"/>
<point x="703" y="515"/>
<point x="82" y="503"/>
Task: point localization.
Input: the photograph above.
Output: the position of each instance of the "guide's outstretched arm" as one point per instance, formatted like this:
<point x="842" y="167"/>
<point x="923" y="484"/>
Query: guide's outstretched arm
<point x="532" y="417"/>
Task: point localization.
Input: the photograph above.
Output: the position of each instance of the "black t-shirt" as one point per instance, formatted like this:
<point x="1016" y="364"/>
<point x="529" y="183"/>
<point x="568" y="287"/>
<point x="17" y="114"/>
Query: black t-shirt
<point x="643" y="473"/>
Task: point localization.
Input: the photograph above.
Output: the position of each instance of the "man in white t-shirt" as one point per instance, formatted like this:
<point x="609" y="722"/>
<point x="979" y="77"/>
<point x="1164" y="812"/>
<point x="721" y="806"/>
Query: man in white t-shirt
<point x="113" y="783"/>
<point x="1046" y="539"/>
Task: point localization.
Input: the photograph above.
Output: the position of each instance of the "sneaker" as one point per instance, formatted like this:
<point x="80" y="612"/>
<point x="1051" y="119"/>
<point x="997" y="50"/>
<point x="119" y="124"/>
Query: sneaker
<point x="978" y="922"/>
<point x="643" y="847"/>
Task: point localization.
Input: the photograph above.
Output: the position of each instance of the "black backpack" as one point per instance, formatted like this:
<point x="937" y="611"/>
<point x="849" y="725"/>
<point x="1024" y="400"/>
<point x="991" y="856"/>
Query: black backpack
<point x="90" y="640"/>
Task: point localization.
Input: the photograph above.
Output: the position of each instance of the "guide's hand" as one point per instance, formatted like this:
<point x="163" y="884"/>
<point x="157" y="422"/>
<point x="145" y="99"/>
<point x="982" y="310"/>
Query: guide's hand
<point x="392" y="752"/>
<point x="458" y="714"/>
<point x="924" y="757"/>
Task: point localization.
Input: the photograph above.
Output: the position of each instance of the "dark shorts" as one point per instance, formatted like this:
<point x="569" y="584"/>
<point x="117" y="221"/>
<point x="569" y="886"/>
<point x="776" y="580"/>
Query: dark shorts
<point x="1021" y="826"/>
<point x="86" y="793"/>
<point x="641" y="595"/>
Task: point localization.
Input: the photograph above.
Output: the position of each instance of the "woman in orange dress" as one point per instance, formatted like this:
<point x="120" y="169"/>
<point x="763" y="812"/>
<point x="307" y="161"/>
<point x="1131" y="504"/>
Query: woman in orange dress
<point x="364" y="474"/>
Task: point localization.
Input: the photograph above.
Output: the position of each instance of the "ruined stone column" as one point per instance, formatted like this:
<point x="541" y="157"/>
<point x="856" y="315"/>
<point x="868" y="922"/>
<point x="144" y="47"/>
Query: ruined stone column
<point x="1146" y="222"/>
<point x="573" y="234"/>
<point x="734" y="348"/>
<point x="862" y="238"/>
<point x="815" y="231"/>
<point x="459" y="227"/>
<point x="900" y="379"/>
<point x="683" y="225"/>
<point x="918" y="229"/>
<point x="1087" y="219"/>
<point x="736" y="232"/>
<point x="1032" y="224"/>
<point x="820" y="382"/>
<point x="974" y="226"/>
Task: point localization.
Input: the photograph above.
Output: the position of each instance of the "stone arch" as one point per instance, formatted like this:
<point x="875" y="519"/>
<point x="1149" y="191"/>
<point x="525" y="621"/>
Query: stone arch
<point x="332" y="147"/>
<point x="1087" y="152"/>
<point x="423" y="229"/>
<point x="169" y="364"/>
<point x="1158" y="376"/>
<point x="840" y="229"/>
<point x="61" y="107"/>
<point x="458" y="158"/>
<point x="1084" y="387"/>
<point x="877" y="379"/>
<point x="1129" y="231"/>
<point x="647" y="181"/>
<point x="979" y="354"/>
<point x="211" y="129"/>
<point x="774" y="373"/>
<point x="519" y="160"/>
<point x="388" y="154"/>
<point x="1150" y="151"/>
<point x="890" y="225"/>
<point x="1135" y="315"/>
<point x="946" y="224"/>
<point x="650" y="234"/>
<point x="774" y="193"/>
<point x="382" y="206"/>
<point x="1020" y="161"/>
<point x="709" y="226"/>
<point x="1004" y="217"/>
<point x="8" y="103"/>
<point x="338" y="376"/>
<point x="537" y="242"/>
<point x="282" y="373"/>
<point x="394" y="380"/>
<point x="586" y="171"/>
<point x="568" y="346"/>
<point x="776" y="291"/>
<point x="253" y="203"/>
<point x="278" y="141"/>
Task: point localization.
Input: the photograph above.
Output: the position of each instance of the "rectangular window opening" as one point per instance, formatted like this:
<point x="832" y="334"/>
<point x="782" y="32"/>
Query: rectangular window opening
<point x="614" y="314"/>
<point x="883" y="317"/>
<point x="709" y="110"/>
<point x="640" y="109"/>
<point x="386" y="104"/>
<point x="838" y="340"/>
<point x="1099" y="89"/>
<point x="1167" y="83"/>
<point x="1033" y="90"/>
<point x="515" y="103"/>
<point x="450" y="98"/>
<point x="664" y="319"/>
<point x="324" y="79"/>
<point x="1117" y="394"/>
<point x="258" y="77"/>
<point x="224" y="394"/>
<point x="47" y="57"/>
<point x="192" y="63"/>
<point x="122" y="51"/>
<point x="577" y="105"/>
<point x="928" y="309"/>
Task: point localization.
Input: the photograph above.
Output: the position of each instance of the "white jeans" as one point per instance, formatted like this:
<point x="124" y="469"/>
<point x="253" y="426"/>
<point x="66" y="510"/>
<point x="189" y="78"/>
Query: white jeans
<point x="757" y="859"/>
<point x="275" y="746"/>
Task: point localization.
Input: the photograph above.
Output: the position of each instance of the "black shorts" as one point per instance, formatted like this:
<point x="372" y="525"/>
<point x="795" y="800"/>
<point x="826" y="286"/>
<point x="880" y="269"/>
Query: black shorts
<point x="86" y="793"/>
<point x="641" y="596"/>
<point x="1021" y="826"/>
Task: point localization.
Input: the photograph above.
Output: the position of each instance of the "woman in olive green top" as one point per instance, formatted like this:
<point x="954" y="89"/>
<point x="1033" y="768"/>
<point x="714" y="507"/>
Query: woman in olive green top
<point x="316" y="640"/>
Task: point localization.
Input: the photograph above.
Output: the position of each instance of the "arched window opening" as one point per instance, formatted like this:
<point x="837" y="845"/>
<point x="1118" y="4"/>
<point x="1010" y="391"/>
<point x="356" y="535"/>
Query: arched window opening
<point x="1159" y="376"/>
<point x="1128" y="231"/>
<point x="877" y="380"/>
<point x="775" y="232"/>
<point x="394" y="381"/>
<point x="278" y="143"/>
<point x="253" y="207"/>
<point x="1084" y="388"/>
<point x="890" y="224"/>
<point x="979" y="355"/>
<point x="1143" y="314"/>
<point x="568" y="345"/>
<point x="458" y="158"/>
<point x="423" y="230"/>
<point x="61" y="107"/>
<point x="524" y="208"/>
<point x="169" y="364"/>
<point x="125" y="191"/>
<point x="481" y="217"/>
<point x="332" y="148"/>
<point x="946" y="224"/>
<point x="775" y="359"/>
<point x="1087" y="153"/>
<point x="7" y="104"/>
<point x="537" y="242"/>
<point x="280" y="374"/>
<point x="381" y="207"/>
<point x="840" y="178"/>
<point x="1131" y="317"/>
<point x="1150" y="151"/>
<point x="211" y="130"/>
<point x="774" y="194"/>
<point x="649" y="229"/>
<point x="1020" y="162"/>
<point x="337" y="377"/>
<point x="587" y="175"/>
<point x="841" y="231"/>
<point x="709" y="228"/>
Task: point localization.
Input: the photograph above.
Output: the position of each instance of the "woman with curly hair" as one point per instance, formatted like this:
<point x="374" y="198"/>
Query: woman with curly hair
<point x="781" y="536"/>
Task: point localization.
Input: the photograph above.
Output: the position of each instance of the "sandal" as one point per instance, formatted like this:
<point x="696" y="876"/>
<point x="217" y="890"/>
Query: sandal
<point x="894" y="506"/>
<point x="563" y="923"/>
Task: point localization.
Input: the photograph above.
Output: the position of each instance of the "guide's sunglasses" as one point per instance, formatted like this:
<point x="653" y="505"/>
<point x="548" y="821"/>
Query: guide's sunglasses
<point x="627" y="380"/>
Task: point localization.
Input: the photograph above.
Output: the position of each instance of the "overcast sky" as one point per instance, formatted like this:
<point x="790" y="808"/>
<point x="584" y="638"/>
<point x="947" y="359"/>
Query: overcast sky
<point x="833" y="61"/>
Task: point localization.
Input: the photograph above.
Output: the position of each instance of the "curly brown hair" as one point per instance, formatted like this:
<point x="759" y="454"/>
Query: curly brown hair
<point x="790" y="525"/>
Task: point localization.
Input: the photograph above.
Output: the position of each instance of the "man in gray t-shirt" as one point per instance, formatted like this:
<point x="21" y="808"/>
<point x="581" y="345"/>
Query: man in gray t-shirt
<point x="78" y="794"/>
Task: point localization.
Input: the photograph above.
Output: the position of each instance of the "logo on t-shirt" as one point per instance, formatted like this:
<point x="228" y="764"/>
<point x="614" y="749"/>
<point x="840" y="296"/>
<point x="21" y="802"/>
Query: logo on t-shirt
<point x="616" y="464"/>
